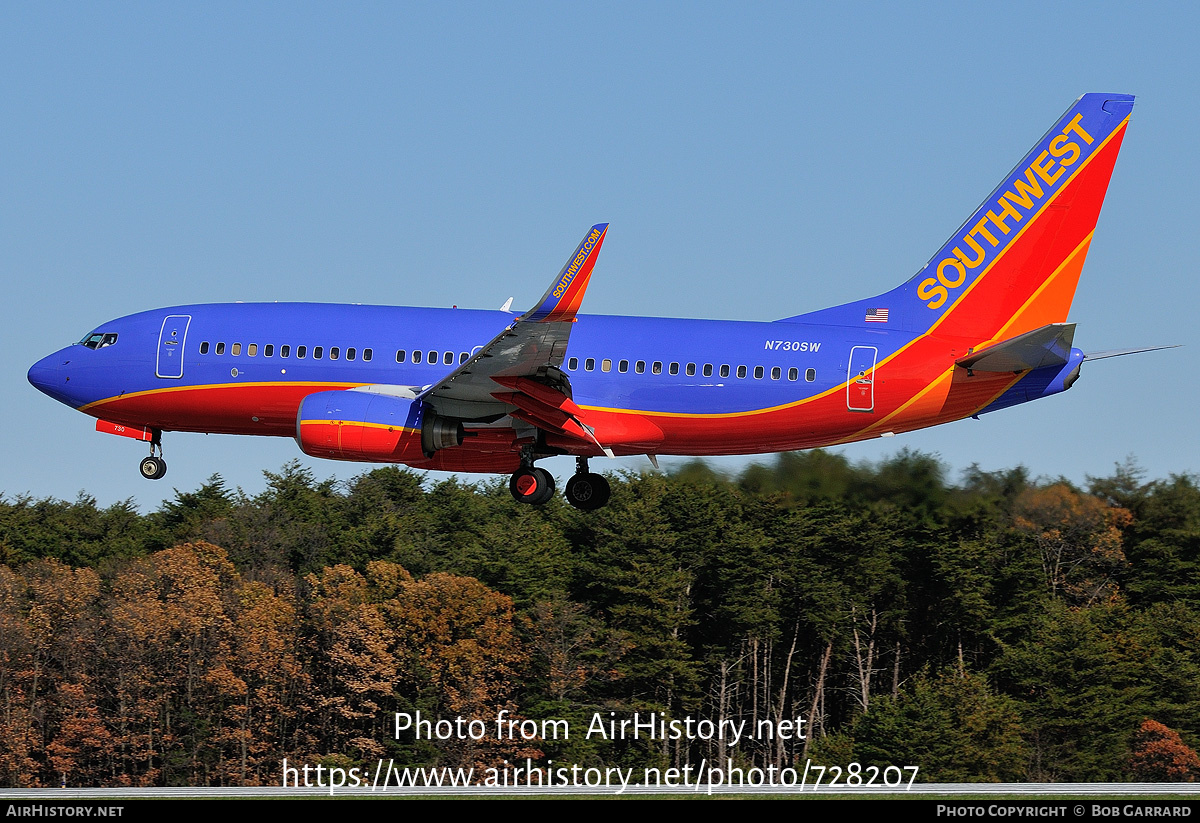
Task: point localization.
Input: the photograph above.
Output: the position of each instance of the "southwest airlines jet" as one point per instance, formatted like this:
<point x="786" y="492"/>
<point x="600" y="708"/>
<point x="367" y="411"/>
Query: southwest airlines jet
<point x="981" y="327"/>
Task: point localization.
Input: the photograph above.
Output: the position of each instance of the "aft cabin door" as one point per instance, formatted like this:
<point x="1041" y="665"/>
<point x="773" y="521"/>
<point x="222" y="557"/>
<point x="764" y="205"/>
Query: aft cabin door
<point x="171" y="341"/>
<point x="860" y="379"/>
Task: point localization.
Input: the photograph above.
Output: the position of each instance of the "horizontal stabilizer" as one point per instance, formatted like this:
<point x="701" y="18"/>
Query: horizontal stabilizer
<point x="1100" y="355"/>
<point x="1048" y="346"/>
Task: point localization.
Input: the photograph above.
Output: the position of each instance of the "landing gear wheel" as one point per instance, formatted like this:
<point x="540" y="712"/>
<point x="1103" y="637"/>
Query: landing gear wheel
<point x="532" y="485"/>
<point x="587" y="492"/>
<point x="153" y="468"/>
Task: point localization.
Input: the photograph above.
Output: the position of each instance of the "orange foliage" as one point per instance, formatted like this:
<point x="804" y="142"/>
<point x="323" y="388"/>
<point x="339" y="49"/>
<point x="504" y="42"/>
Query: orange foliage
<point x="1079" y="537"/>
<point x="1160" y="756"/>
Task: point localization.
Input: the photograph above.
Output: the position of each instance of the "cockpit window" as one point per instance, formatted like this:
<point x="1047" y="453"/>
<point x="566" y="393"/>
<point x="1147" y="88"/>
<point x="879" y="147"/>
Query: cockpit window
<point x="99" y="340"/>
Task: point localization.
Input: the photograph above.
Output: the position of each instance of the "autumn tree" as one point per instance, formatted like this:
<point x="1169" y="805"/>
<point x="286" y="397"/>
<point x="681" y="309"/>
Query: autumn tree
<point x="1159" y="755"/>
<point x="1079" y="539"/>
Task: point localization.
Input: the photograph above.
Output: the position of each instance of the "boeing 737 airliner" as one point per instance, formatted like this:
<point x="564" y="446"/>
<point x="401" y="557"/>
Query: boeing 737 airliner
<point x="981" y="327"/>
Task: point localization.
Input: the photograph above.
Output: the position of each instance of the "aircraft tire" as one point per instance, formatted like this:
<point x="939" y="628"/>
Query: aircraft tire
<point x="547" y="481"/>
<point x="531" y="485"/>
<point x="588" y="492"/>
<point x="153" y="468"/>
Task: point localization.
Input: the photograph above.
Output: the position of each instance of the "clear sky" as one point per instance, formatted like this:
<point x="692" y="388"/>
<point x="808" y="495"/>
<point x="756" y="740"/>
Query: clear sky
<point x="755" y="161"/>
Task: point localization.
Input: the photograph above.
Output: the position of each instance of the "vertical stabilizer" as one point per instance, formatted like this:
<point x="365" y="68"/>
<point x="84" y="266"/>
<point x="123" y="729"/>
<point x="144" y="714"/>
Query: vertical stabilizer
<point x="1014" y="263"/>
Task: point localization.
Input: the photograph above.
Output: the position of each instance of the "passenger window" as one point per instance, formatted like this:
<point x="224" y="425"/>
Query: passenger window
<point x="793" y="374"/>
<point x="640" y="367"/>
<point x="606" y="364"/>
<point x="334" y="353"/>
<point x="431" y="358"/>
<point x="284" y="351"/>
<point x="589" y="364"/>
<point x="623" y="366"/>
<point x="741" y="372"/>
<point x="656" y="367"/>
<point x="758" y="372"/>
<point x="462" y="357"/>
<point x="776" y="372"/>
<point x="400" y="357"/>
<point x="448" y="358"/>
<point x="301" y="351"/>
<point x="204" y="347"/>
<point x="220" y="348"/>
<point x="236" y="350"/>
<point x="724" y="370"/>
<point x="691" y="369"/>
<point x="416" y="357"/>
<point x="573" y="363"/>
<point x="318" y="351"/>
<point x="351" y="354"/>
<point x="674" y="368"/>
<point x="708" y="369"/>
<point x="810" y="375"/>
<point x="367" y="355"/>
<point x="268" y="350"/>
<point x="252" y="350"/>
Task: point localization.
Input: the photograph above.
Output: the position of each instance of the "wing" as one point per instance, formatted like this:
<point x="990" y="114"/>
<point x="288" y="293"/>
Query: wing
<point x="518" y="373"/>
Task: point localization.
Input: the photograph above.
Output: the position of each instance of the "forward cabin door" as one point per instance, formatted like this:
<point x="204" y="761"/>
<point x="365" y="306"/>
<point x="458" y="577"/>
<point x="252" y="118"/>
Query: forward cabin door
<point x="860" y="379"/>
<point x="171" y="341"/>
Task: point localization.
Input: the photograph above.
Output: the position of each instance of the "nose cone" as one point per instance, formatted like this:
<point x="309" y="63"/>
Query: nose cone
<point x="46" y="377"/>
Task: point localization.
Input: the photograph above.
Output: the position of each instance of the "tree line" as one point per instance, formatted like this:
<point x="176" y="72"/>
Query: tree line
<point x="993" y="628"/>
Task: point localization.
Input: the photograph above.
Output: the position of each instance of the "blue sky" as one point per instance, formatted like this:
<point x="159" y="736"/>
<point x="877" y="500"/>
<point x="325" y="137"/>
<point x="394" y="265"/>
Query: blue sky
<point x="755" y="161"/>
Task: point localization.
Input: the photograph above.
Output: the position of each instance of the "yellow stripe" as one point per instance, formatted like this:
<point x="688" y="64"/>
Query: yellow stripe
<point x="1082" y="244"/>
<point x="390" y="426"/>
<point x="922" y="393"/>
<point x="169" y="389"/>
<point x="928" y="388"/>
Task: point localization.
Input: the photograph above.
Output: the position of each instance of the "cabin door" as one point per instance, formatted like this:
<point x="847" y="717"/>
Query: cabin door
<point x="860" y="379"/>
<point x="171" y="341"/>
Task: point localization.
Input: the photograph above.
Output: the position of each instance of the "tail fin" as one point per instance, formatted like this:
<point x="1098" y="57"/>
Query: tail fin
<point x="1013" y="265"/>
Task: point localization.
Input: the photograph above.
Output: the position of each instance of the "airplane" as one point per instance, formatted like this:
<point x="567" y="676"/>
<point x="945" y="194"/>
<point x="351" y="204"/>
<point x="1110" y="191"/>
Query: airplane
<point x="981" y="327"/>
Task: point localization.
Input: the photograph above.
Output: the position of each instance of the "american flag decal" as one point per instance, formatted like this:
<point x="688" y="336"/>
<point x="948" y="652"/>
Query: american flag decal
<point x="877" y="315"/>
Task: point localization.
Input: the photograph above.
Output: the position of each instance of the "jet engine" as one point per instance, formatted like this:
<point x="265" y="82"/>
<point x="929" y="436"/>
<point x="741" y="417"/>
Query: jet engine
<point x="372" y="427"/>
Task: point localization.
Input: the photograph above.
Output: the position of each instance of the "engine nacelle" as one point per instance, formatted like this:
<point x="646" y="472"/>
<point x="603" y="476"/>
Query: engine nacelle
<point x="372" y="427"/>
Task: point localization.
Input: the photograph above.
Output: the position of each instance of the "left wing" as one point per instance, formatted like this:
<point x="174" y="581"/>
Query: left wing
<point x="518" y="373"/>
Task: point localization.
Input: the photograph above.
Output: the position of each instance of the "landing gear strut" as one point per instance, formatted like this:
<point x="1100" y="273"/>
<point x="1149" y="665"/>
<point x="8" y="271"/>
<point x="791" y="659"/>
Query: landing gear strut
<point x="586" y="491"/>
<point x="154" y="468"/>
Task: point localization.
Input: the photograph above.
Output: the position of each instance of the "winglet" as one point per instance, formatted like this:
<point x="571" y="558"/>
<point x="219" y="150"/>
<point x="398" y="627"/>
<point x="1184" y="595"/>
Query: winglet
<point x="562" y="300"/>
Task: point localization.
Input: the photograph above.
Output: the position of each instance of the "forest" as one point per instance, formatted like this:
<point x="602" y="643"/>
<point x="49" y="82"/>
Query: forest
<point x="986" y="627"/>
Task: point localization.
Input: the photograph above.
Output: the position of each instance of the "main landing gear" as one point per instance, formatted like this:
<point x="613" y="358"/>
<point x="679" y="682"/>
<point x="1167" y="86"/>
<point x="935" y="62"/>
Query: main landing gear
<point x="585" y="490"/>
<point x="154" y="468"/>
<point x="532" y="485"/>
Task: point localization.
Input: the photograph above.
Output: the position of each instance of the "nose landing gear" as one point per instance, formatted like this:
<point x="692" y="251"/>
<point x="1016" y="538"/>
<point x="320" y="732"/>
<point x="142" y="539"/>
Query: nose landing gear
<point x="154" y="468"/>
